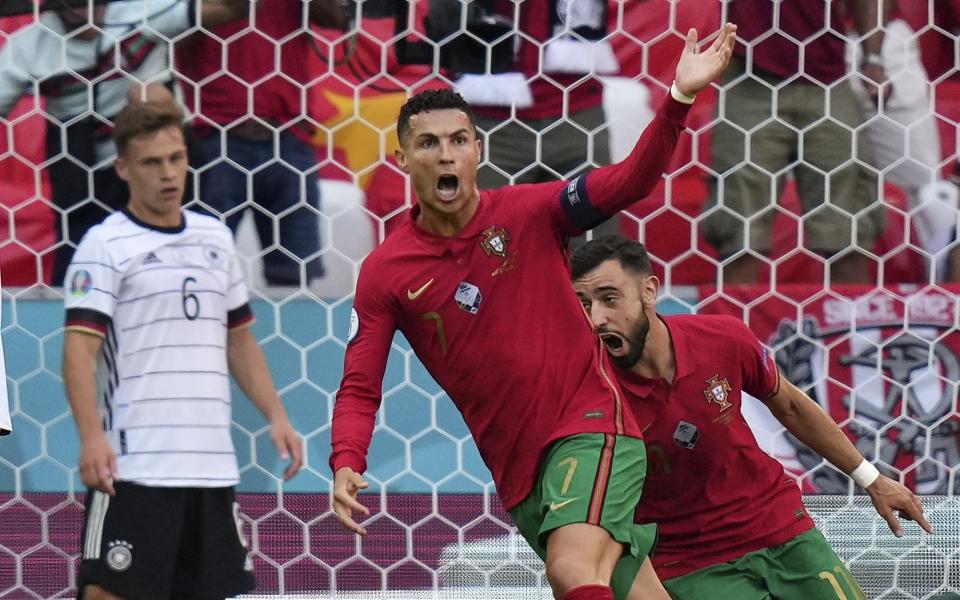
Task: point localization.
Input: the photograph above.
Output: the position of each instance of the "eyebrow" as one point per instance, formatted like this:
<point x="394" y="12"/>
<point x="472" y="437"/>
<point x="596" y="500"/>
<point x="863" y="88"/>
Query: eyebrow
<point x="462" y="130"/>
<point x="606" y="288"/>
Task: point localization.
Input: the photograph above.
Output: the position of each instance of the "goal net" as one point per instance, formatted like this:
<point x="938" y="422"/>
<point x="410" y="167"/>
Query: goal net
<point x="883" y="358"/>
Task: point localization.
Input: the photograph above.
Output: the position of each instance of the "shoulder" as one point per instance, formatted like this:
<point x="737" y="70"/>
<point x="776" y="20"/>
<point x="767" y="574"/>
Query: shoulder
<point x="116" y="225"/>
<point x="721" y="329"/>
<point x="205" y="223"/>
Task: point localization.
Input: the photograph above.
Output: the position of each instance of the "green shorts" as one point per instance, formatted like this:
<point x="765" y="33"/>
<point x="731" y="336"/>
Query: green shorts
<point x="804" y="567"/>
<point x="591" y="478"/>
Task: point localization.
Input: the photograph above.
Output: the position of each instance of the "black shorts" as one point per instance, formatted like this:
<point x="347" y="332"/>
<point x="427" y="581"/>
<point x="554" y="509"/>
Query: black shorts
<point x="153" y="543"/>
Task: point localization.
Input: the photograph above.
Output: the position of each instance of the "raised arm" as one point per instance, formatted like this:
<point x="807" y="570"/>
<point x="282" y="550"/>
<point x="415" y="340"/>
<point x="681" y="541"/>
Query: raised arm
<point x="249" y="368"/>
<point x="811" y="425"/>
<point x="591" y="199"/>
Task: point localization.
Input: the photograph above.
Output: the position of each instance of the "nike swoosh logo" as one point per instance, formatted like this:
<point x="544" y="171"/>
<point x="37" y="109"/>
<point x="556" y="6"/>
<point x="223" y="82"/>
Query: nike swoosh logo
<point x="558" y="505"/>
<point x="416" y="294"/>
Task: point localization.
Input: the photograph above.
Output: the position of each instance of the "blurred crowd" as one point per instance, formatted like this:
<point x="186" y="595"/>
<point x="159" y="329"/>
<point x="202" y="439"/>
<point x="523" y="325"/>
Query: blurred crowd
<point x="836" y="123"/>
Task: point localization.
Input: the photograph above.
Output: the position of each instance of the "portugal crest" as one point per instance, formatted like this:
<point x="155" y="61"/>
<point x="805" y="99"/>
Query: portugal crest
<point x="495" y="243"/>
<point x="495" y="240"/>
<point x="718" y="391"/>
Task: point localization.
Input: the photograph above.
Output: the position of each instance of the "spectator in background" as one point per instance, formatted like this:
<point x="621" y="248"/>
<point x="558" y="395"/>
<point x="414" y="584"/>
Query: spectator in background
<point x="254" y="131"/>
<point x="798" y="85"/>
<point x="544" y="121"/>
<point x="902" y="131"/>
<point x="86" y="64"/>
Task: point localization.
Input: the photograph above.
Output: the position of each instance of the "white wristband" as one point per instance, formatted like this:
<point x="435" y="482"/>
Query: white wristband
<point x="865" y="474"/>
<point x="680" y="96"/>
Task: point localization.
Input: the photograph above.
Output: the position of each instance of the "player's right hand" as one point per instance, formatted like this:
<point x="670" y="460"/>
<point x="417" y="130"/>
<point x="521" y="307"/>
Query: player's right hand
<point x="346" y="484"/>
<point x="888" y="496"/>
<point x="98" y="464"/>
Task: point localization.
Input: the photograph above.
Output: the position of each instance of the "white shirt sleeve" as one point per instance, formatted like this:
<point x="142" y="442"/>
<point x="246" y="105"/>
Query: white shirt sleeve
<point x="13" y="75"/>
<point x="92" y="281"/>
<point x="237" y="294"/>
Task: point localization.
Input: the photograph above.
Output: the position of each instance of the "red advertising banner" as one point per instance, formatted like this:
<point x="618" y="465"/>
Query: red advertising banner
<point x="885" y="363"/>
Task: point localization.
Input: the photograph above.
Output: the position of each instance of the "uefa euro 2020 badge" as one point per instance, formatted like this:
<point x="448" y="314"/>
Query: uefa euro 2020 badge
<point x="468" y="297"/>
<point x="119" y="555"/>
<point x="81" y="283"/>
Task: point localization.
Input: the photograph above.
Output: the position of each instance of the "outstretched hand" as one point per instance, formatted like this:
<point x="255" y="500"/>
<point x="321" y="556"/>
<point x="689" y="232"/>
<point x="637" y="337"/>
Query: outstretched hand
<point x="697" y="69"/>
<point x="888" y="496"/>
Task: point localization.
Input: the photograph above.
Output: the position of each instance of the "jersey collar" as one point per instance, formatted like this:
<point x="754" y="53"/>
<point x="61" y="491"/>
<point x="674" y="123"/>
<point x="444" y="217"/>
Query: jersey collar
<point x="438" y="245"/>
<point x="685" y="365"/>
<point x="178" y="229"/>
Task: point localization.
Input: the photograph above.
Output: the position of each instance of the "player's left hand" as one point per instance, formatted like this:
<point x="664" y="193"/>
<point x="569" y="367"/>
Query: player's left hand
<point x="888" y="496"/>
<point x="289" y="445"/>
<point x="696" y="69"/>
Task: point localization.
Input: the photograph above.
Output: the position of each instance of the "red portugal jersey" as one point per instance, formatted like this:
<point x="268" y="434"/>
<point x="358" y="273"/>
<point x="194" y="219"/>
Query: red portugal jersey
<point x="713" y="492"/>
<point x="492" y="315"/>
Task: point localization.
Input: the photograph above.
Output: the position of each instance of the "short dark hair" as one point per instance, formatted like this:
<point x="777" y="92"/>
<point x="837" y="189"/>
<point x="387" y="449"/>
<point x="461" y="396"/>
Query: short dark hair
<point x="631" y="255"/>
<point x="428" y="100"/>
<point x="140" y="118"/>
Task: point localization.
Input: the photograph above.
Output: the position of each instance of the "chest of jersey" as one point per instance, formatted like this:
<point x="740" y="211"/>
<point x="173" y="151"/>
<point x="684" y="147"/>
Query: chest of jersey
<point x="178" y="284"/>
<point x="694" y="432"/>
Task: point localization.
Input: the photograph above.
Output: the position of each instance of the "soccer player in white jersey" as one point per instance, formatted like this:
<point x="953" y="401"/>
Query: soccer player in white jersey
<point x="157" y="315"/>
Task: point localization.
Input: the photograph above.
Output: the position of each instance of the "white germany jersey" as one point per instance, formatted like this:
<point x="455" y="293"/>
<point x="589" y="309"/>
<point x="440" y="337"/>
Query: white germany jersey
<point x="163" y="300"/>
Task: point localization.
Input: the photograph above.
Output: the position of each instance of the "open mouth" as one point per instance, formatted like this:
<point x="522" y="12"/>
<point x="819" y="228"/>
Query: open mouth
<point x="447" y="187"/>
<point x="170" y="191"/>
<point x="612" y="341"/>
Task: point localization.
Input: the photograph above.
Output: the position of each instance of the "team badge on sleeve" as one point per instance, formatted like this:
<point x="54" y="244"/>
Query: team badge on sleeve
<point x="468" y="297"/>
<point x="354" y="325"/>
<point x="81" y="283"/>
<point x="718" y="391"/>
<point x="686" y="435"/>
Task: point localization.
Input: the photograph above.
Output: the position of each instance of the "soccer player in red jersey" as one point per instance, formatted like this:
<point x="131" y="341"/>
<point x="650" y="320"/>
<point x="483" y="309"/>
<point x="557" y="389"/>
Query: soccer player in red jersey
<point x="732" y="524"/>
<point x="477" y="282"/>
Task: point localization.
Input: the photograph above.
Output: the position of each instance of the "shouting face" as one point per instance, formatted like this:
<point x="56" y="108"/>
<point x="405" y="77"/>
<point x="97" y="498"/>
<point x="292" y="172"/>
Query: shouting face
<point x="619" y="306"/>
<point x="441" y="152"/>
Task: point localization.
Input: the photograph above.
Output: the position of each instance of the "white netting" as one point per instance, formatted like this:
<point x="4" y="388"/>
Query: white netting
<point x="882" y="358"/>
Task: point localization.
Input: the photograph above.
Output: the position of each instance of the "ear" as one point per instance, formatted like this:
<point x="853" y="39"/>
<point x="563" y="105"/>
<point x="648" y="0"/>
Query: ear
<point x="479" y="150"/>
<point x="120" y="165"/>
<point x="649" y="290"/>
<point x="401" y="157"/>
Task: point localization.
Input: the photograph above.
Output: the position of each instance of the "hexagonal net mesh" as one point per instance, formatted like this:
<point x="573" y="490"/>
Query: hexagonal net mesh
<point x="821" y="212"/>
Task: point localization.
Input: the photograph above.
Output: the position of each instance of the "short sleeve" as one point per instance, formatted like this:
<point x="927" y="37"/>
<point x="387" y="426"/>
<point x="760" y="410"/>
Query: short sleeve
<point x="759" y="369"/>
<point x="239" y="313"/>
<point x="91" y="286"/>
